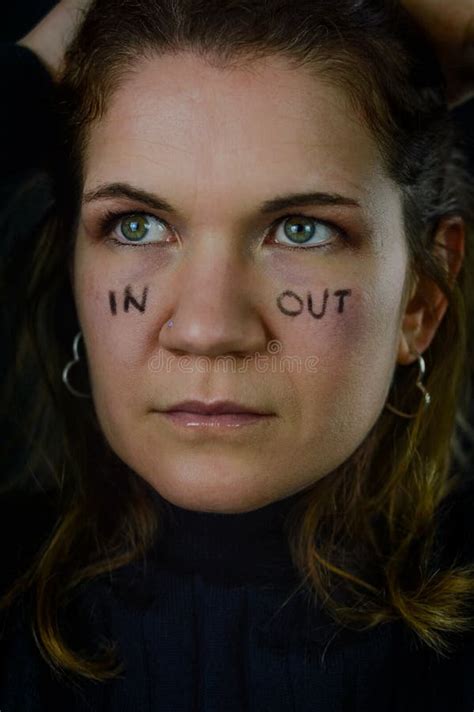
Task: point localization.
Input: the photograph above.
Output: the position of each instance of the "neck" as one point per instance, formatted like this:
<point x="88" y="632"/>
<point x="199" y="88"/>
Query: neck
<point x="231" y="547"/>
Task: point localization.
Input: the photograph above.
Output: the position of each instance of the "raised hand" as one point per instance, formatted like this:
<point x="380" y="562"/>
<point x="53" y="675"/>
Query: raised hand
<point x="50" y="37"/>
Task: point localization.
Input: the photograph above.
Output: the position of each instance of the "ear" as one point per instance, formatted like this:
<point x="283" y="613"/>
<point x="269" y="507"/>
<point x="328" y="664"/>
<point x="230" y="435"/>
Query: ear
<point x="426" y="304"/>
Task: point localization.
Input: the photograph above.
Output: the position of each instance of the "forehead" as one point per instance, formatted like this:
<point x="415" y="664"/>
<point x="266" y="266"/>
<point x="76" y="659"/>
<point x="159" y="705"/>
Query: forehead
<point x="195" y="127"/>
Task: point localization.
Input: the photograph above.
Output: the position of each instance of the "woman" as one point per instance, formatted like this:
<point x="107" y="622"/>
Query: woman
<point x="260" y="203"/>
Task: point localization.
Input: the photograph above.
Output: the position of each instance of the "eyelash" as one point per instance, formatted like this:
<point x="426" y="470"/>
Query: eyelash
<point x="111" y="218"/>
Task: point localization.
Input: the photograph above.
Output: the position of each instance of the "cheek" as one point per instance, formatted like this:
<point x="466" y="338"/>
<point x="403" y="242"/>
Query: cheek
<point x="114" y="315"/>
<point x="349" y="316"/>
<point x="336" y="324"/>
<point x="350" y="349"/>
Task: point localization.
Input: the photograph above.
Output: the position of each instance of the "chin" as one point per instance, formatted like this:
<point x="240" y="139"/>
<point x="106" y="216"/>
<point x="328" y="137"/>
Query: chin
<point x="201" y="497"/>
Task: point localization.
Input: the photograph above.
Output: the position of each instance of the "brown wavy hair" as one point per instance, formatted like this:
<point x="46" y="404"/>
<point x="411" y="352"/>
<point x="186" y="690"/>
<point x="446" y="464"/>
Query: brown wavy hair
<point x="380" y="509"/>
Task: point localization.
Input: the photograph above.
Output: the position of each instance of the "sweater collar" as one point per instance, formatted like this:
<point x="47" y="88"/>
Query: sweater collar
<point x="227" y="547"/>
<point x="248" y="550"/>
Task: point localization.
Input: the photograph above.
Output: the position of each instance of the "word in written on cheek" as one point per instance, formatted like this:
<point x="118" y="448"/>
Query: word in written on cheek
<point x="340" y="294"/>
<point x="129" y="300"/>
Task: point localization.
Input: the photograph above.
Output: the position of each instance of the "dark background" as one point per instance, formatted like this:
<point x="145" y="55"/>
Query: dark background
<point x="19" y="16"/>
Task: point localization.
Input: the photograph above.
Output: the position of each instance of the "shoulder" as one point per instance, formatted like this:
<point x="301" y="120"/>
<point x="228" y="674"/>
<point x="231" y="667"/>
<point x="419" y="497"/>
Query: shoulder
<point x="25" y="522"/>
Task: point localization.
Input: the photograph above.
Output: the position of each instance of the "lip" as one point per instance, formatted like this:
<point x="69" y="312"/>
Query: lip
<point x="214" y="422"/>
<point x="215" y="408"/>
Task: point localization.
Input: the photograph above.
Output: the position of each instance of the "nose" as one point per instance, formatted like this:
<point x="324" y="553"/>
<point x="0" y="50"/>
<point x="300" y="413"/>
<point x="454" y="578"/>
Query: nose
<point x="215" y="307"/>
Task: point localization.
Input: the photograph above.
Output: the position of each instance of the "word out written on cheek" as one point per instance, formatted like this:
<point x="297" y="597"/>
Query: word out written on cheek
<point x="129" y="300"/>
<point x="339" y="294"/>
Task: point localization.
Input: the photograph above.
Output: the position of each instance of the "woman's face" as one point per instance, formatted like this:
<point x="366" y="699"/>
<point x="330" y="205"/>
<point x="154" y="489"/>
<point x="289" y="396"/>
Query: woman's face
<point x="289" y="305"/>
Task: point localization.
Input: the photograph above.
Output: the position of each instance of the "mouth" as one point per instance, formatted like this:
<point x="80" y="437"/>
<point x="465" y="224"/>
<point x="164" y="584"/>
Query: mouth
<point x="221" y="407"/>
<point x="218" y="416"/>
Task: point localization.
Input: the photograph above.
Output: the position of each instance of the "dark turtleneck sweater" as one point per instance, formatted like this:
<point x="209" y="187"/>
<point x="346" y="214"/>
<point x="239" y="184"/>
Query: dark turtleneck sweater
<point x="212" y="619"/>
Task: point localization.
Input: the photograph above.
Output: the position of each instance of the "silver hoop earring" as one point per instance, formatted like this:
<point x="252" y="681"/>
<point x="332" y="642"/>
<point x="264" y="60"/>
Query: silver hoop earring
<point x="426" y="400"/>
<point x="70" y="364"/>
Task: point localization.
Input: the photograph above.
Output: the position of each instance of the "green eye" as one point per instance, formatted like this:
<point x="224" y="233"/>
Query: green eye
<point x="299" y="229"/>
<point x="135" y="227"/>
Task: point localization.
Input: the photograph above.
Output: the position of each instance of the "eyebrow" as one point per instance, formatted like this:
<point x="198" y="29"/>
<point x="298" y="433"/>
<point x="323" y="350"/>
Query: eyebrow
<point x="280" y="202"/>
